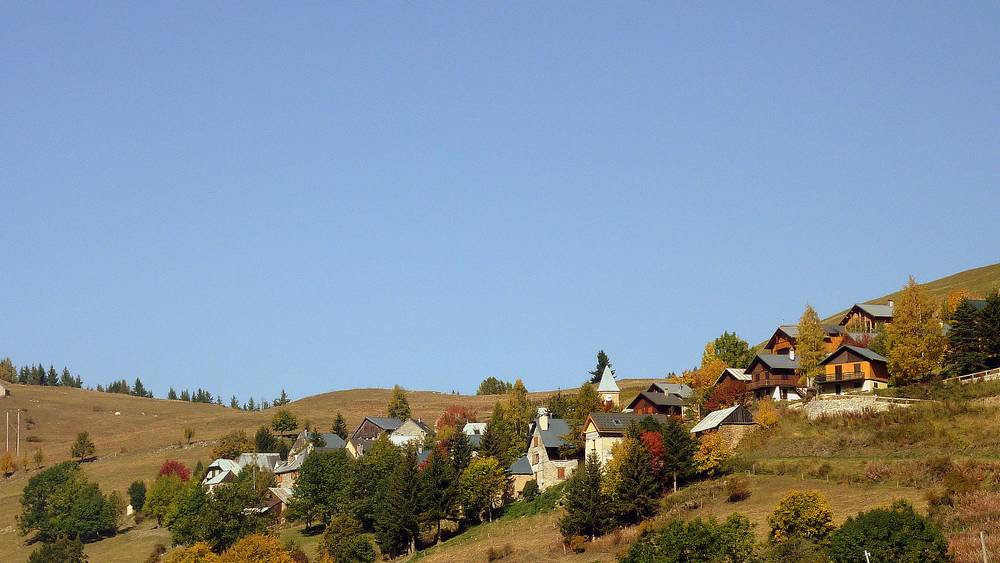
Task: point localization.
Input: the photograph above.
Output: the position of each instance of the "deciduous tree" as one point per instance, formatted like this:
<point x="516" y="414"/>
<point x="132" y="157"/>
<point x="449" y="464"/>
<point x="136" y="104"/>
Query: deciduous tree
<point x="809" y="346"/>
<point x="83" y="447"/>
<point x="914" y="339"/>
<point x="232" y="445"/>
<point x="733" y="350"/>
<point x="801" y="514"/>
<point x="398" y="406"/>
<point x="284" y="421"/>
<point x="482" y="487"/>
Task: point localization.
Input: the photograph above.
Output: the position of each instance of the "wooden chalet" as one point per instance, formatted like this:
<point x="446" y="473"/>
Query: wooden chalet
<point x="852" y="369"/>
<point x="774" y="376"/>
<point x="733" y="374"/>
<point x="650" y="402"/>
<point x="871" y="316"/>
<point x="368" y="431"/>
<point x="785" y="336"/>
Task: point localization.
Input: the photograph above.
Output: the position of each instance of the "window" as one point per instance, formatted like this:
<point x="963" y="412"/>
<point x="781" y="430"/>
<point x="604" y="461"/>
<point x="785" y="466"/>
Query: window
<point x="857" y="368"/>
<point x="837" y="370"/>
<point x="535" y="462"/>
<point x="561" y="473"/>
<point x="534" y="441"/>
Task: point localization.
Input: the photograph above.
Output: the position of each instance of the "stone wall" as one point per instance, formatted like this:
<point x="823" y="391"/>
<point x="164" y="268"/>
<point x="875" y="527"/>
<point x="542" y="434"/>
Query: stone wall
<point x="840" y="405"/>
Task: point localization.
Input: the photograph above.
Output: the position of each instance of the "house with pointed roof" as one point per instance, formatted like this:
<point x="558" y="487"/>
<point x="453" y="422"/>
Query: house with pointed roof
<point x="520" y="473"/>
<point x="602" y="430"/>
<point x="548" y="451"/>
<point x="368" y="431"/>
<point x="733" y="374"/>
<point x="870" y="315"/>
<point x="852" y="369"/>
<point x="475" y="431"/>
<point x="785" y="336"/>
<point x="650" y="402"/>
<point x="410" y="432"/>
<point x="608" y="388"/>
<point x="732" y="423"/>
<point x="775" y="376"/>
<point x="682" y="390"/>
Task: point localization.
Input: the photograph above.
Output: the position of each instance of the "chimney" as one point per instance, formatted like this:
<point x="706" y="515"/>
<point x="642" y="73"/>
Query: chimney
<point x="791" y="353"/>
<point x="543" y="422"/>
<point x="892" y="303"/>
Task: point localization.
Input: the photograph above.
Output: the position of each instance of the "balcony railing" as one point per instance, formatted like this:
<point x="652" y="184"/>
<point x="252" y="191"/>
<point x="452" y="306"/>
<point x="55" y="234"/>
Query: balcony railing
<point x="843" y="376"/>
<point x="792" y="381"/>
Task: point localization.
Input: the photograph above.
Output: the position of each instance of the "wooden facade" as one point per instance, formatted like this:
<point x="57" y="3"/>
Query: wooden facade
<point x="784" y="339"/>
<point x="853" y="369"/>
<point x="773" y="376"/>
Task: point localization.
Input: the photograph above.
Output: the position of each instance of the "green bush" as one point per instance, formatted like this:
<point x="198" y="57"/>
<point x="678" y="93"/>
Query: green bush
<point x="60" y="551"/>
<point x="737" y="489"/>
<point x="530" y="490"/>
<point x="696" y="541"/>
<point x="897" y="533"/>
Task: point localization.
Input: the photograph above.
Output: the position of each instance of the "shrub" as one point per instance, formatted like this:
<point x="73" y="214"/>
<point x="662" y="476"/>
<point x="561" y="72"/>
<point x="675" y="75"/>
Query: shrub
<point x="8" y="463"/>
<point x="497" y="553"/>
<point x="767" y="414"/>
<point x="800" y="514"/>
<point x="343" y="541"/>
<point x="877" y="471"/>
<point x="897" y="533"/>
<point x="737" y="489"/>
<point x="530" y="490"/>
<point x="137" y="495"/>
<point x="62" y="551"/>
<point x="257" y="547"/>
<point x="176" y="468"/>
<point x="157" y="553"/>
<point x="697" y="540"/>
<point x="32" y="439"/>
<point x="713" y="453"/>
<point x="232" y="445"/>
<point x="199" y="552"/>
<point x="578" y="544"/>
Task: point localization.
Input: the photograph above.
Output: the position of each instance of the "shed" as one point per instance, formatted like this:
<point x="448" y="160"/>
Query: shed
<point x="733" y="422"/>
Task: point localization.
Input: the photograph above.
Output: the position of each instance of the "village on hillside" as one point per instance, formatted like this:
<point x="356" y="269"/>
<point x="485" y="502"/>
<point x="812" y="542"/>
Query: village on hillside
<point x="395" y="484"/>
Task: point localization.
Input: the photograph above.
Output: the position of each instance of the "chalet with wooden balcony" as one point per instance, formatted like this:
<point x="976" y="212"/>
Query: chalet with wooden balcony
<point x="651" y="402"/>
<point x="733" y="374"/>
<point x="869" y="316"/>
<point x="774" y="376"/>
<point x="852" y="369"/>
<point x="784" y="338"/>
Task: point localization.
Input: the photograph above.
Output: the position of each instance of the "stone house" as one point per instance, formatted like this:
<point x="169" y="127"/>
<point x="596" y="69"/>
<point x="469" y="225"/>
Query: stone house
<point x="520" y="473"/>
<point x="546" y="451"/>
<point x="732" y="423"/>
<point x="410" y="432"/>
<point x="602" y="430"/>
<point x="368" y="431"/>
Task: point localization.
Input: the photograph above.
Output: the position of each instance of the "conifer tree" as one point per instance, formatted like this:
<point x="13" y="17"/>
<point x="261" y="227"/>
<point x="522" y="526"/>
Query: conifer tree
<point x="7" y="370"/>
<point x="965" y="350"/>
<point x="52" y="377"/>
<point x="500" y="441"/>
<point x="233" y="403"/>
<point x="989" y="329"/>
<point x="398" y="406"/>
<point x="439" y="483"/>
<point x="397" y="521"/>
<point x="914" y="338"/>
<point x="588" y="509"/>
<point x="678" y="451"/>
<point x="185" y="395"/>
<point x="460" y="450"/>
<point x="636" y="486"/>
<point x="282" y="400"/>
<point x="83" y="447"/>
<point x="67" y="378"/>
<point x="339" y="426"/>
<point x="602" y="362"/>
<point x="809" y="346"/>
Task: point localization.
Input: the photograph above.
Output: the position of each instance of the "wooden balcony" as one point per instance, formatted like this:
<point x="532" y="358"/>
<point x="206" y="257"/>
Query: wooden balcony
<point x="790" y="381"/>
<point x="844" y="376"/>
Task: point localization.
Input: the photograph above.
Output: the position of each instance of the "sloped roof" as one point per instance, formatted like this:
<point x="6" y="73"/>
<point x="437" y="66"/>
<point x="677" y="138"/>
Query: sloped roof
<point x="284" y="494"/>
<point x="422" y="455"/>
<point x="872" y="310"/>
<point x="618" y="422"/>
<point x="775" y="361"/>
<point x="220" y="478"/>
<point x="736" y="414"/>
<point x="680" y="389"/>
<point x="225" y="465"/>
<point x="736" y="373"/>
<point x="607" y="383"/>
<point x="331" y="442"/>
<point x="385" y="422"/>
<point x="792" y="331"/>
<point x="659" y="399"/>
<point x="553" y="436"/>
<point x="261" y="460"/>
<point x="520" y="467"/>
<point x="865" y="353"/>
<point x="474" y="428"/>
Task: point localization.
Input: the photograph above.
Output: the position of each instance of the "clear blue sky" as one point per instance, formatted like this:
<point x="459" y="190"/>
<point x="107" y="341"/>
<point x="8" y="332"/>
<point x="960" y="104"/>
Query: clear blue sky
<point x="316" y="198"/>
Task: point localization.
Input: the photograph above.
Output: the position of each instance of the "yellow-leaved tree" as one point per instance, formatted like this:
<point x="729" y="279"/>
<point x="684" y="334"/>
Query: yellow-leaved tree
<point x="915" y="342"/>
<point x="809" y="347"/>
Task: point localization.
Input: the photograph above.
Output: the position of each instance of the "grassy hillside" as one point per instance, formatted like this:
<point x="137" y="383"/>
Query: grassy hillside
<point x="977" y="280"/>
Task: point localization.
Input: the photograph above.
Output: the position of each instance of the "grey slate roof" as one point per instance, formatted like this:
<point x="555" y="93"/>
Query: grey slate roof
<point x="476" y="441"/>
<point x="521" y="467"/>
<point x="777" y="361"/>
<point x="552" y="438"/>
<point x="333" y="442"/>
<point x="679" y="389"/>
<point x="422" y="455"/>
<point x="863" y="352"/>
<point x="661" y="399"/>
<point x="884" y="311"/>
<point x="829" y="329"/>
<point x="618" y="422"/>
<point x="385" y="422"/>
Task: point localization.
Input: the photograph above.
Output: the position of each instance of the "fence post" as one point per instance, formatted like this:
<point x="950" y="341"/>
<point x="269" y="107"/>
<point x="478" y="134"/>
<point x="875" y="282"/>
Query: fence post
<point x="982" y="543"/>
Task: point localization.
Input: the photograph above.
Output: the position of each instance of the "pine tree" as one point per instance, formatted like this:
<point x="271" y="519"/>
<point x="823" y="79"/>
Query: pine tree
<point x="250" y="406"/>
<point x="185" y="395"/>
<point x="233" y="403"/>
<point x="440" y="491"/>
<point x="914" y="338"/>
<point x="397" y="522"/>
<point x="965" y="350"/>
<point x="67" y="378"/>
<point x="79" y="382"/>
<point x="989" y="329"/>
<point x="139" y="390"/>
<point x="339" y="426"/>
<point x="398" y="406"/>
<point x="602" y="362"/>
<point x="53" y="377"/>
<point x="809" y="346"/>
<point x="500" y="441"/>
<point x="282" y="400"/>
<point x="588" y="509"/>
<point x="7" y="370"/>
<point x="637" y="487"/>
<point x="678" y="451"/>
<point x="460" y="450"/>
<point x="171" y="394"/>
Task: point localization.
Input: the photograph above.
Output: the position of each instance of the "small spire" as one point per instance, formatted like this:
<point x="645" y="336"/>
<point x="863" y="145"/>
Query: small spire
<point x="607" y="382"/>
